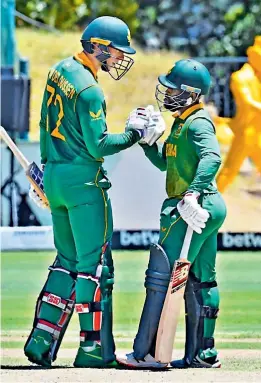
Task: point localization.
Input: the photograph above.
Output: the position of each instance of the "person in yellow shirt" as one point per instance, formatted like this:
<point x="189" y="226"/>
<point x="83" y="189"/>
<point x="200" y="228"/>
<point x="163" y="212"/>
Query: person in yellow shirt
<point x="246" y="88"/>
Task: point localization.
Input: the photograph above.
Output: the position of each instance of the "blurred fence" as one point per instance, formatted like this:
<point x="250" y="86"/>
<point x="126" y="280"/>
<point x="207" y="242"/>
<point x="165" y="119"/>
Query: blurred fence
<point x="221" y="69"/>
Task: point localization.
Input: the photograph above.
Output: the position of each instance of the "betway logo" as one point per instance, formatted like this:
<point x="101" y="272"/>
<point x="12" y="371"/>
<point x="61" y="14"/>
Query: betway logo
<point x="138" y="238"/>
<point x="241" y="240"/>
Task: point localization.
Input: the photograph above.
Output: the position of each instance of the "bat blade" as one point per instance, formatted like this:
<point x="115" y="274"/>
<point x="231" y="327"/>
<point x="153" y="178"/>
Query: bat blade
<point x="171" y="310"/>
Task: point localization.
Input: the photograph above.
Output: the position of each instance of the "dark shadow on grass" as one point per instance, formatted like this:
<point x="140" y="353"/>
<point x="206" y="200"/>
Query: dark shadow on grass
<point x="36" y="368"/>
<point x="6" y="367"/>
<point x="129" y="368"/>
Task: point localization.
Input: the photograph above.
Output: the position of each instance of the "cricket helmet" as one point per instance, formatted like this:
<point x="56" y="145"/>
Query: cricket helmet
<point x="186" y="77"/>
<point x="107" y="31"/>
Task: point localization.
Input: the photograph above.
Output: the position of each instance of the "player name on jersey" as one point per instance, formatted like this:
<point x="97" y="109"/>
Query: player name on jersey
<point x="66" y="87"/>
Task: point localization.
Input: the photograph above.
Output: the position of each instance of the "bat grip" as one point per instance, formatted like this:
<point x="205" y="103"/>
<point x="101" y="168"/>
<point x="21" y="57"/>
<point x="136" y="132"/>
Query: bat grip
<point x="186" y="243"/>
<point x="10" y="143"/>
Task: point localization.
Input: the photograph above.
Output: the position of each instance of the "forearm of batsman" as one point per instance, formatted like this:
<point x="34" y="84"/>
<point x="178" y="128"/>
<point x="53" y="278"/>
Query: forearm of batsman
<point x="91" y="111"/>
<point x="108" y="144"/>
<point x="156" y="154"/>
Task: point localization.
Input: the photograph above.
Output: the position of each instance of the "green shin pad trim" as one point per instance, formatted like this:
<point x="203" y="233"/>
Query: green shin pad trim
<point x="54" y="307"/>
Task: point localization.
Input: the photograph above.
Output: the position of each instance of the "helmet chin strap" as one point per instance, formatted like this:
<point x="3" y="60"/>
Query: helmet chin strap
<point x="190" y="102"/>
<point x="103" y="56"/>
<point x="103" y="53"/>
<point x="104" y="67"/>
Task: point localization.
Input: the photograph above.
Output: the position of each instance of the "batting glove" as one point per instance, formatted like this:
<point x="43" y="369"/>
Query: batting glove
<point x="37" y="199"/>
<point x="155" y="129"/>
<point x="192" y="213"/>
<point x="139" y="119"/>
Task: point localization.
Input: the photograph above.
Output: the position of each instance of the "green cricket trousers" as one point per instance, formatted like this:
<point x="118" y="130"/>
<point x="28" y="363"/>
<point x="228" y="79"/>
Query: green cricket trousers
<point x="82" y="227"/>
<point x="202" y="252"/>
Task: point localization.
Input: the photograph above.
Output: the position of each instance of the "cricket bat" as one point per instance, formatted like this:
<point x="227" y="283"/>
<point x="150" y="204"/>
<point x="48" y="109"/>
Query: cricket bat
<point x="32" y="171"/>
<point x="172" y="305"/>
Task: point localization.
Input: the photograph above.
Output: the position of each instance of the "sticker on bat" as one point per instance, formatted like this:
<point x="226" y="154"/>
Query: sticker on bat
<point x="179" y="276"/>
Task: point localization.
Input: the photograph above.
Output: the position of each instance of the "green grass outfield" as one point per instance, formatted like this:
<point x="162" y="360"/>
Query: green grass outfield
<point x="239" y="278"/>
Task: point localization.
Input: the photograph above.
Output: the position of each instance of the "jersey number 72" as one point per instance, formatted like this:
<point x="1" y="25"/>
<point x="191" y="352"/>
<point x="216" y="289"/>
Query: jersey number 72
<point x="57" y="100"/>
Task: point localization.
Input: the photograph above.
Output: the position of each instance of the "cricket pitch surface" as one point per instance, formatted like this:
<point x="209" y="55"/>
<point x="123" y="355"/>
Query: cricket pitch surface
<point x="237" y="366"/>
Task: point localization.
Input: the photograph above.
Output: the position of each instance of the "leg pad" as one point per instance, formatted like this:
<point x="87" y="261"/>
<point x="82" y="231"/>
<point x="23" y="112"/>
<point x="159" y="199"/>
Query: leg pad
<point x="156" y="283"/>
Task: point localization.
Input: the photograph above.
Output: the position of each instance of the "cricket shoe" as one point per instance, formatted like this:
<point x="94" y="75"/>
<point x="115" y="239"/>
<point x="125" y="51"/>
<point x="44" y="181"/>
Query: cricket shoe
<point x="92" y="357"/>
<point x="38" y="347"/>
<point x="147" y="363"/>
<point x="197" y="362"/>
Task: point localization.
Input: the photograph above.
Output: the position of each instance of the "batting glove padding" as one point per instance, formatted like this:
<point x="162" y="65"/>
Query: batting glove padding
<point x="155" y="129"/>
<point x="37" y="199"/>
<point x="138" y="120"/>
<point x="148" y="123"/>
<point x="192" y="213"/>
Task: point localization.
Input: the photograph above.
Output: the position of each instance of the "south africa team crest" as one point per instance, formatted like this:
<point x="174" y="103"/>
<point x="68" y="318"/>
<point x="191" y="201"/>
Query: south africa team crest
<point x="178" y="131"/>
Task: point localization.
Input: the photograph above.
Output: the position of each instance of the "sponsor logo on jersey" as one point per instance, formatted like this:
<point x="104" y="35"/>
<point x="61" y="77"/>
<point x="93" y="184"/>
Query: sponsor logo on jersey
<point x="96" y="116"/>
<point x="171" y="150"/>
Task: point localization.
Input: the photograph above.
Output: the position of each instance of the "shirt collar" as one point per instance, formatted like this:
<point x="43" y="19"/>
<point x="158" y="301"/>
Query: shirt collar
<point x="84" y="60"/>
<point x="188" y="111"/>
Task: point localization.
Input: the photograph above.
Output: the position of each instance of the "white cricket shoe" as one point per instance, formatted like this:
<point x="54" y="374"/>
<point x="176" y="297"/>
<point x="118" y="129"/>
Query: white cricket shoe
<point x="147" y="362"/>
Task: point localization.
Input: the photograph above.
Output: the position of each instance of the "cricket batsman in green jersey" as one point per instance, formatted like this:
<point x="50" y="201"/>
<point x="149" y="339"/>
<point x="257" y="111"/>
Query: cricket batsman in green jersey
<point x="73" y="142"/>
<point x="191" y="158"/>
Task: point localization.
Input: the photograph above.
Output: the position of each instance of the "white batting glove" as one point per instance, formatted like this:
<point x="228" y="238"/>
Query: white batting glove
<point x="37" y="199"/>
<point x="138" y="120"/>
<point x="192" y="213"/>
<point x="155" y="129"/>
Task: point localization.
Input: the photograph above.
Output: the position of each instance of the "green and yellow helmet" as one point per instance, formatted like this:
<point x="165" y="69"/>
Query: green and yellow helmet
<point x="189" y="78"/>
<point x="107" y="31"/>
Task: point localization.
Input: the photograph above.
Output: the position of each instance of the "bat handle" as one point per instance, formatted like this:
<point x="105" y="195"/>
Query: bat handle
<point x="186" y="243"/>
<point x="10" y="143"/>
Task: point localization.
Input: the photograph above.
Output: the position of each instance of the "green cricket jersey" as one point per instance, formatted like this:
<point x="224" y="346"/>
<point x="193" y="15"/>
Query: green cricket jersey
<point x="73" y="116"/>
<point x="191" y="154"/>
